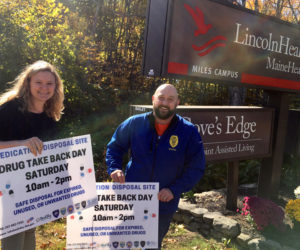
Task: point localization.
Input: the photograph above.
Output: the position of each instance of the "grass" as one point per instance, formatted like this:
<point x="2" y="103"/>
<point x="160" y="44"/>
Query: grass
<point x="52" y="236"/>
<point x="179" y="238"/>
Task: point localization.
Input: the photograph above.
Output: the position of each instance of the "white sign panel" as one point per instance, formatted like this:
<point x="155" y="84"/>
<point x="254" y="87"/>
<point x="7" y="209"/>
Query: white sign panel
<point x="126" y="217"/>
<point x="37" y="189"/>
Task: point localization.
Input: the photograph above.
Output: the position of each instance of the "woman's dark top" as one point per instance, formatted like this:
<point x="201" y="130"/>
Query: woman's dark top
<point x="16" y="124"/>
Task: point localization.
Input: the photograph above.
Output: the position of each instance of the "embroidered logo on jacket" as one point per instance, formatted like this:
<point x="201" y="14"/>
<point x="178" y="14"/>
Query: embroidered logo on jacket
<point x="173" y="141"/>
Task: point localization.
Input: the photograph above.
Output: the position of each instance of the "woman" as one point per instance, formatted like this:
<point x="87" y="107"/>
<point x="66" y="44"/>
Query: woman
<point x="28" y="112"/>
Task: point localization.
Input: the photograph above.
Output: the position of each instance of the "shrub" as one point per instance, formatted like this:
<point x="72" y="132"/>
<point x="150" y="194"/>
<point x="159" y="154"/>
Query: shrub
<point x="264" y="212"/>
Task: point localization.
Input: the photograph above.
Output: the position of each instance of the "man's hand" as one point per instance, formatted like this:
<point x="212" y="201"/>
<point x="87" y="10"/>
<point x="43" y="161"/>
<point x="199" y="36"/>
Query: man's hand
<point x="165" y="195"/>
<point x="118" y="176"/>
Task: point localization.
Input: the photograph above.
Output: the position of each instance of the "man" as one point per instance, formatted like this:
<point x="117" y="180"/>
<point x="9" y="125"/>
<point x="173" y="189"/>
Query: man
<point x="164" y="148"/>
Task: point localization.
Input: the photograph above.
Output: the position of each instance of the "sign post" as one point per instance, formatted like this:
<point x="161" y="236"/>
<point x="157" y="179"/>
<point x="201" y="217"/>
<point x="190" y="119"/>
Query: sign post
<point x="232" y="185"/>
<point x="269" y="177"/>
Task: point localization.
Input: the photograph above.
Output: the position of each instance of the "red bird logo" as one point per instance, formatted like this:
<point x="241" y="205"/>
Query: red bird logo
<point x="202" y="29"/>
<point x="199" y="20"/>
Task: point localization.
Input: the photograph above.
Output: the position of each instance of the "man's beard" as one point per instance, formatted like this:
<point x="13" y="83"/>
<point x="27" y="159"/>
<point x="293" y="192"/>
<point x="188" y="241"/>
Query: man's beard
<point x="164" y="116"/>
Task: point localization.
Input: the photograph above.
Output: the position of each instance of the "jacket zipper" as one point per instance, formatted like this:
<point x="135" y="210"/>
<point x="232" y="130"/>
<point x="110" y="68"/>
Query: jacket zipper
<point x="157" y="138"/>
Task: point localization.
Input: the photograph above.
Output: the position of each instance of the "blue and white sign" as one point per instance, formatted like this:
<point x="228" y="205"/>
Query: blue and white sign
<point x="38" y="189"/>
<point x="125" y="217"/>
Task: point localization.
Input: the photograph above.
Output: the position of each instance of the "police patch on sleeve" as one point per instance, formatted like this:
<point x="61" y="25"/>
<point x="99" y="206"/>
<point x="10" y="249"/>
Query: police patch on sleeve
<point x="173" y="141"/>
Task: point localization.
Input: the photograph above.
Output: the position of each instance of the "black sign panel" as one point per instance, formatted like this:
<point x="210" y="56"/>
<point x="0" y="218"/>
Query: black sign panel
<point x="209" y="40"/>
<point x="228" y="133"/>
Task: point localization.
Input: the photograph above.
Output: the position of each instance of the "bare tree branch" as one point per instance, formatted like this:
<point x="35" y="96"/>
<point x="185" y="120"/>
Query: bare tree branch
<point x="294" y="13"/>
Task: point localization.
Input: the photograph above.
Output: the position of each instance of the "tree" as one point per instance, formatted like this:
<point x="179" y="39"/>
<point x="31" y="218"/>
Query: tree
<point x="287" y="10"/>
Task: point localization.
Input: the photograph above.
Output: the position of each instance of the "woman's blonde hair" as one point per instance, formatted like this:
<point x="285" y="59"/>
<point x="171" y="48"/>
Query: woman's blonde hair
<point x="21" y="89"/>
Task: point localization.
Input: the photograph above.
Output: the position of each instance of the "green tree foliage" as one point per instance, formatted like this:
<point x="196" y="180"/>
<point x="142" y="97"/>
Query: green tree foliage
<point x="34" y="30"/>
<point x="111" y="47"/>
<point x="12" y="44"/>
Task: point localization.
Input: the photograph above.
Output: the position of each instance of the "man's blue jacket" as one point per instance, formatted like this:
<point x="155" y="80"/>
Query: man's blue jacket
<point x="175" y="160"/>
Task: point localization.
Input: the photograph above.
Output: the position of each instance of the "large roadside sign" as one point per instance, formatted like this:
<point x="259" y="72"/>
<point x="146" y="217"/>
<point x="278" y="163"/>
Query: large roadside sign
<point x="228" y="132"/>
<point x="211" y="40"/>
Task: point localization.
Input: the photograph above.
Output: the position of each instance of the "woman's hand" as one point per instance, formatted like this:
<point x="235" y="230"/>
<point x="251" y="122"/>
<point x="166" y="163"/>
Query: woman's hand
<point x="34" y="144"/>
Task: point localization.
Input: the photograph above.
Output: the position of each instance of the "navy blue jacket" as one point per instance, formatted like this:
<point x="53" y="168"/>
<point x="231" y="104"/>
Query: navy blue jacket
<point x="175" y="160"/>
